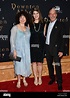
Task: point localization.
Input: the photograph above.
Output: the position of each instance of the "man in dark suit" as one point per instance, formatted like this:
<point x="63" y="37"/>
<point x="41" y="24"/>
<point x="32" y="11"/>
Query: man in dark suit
<point x="54" y="47"/>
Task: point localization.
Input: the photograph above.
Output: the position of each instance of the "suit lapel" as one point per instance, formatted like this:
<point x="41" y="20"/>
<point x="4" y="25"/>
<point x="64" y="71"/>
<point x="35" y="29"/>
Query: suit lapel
<point x="55" y="27"/>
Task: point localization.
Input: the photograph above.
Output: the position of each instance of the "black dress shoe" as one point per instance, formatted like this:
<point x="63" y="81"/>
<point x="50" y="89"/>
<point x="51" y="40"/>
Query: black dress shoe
<point x="51" y="82"/>
<point x="59" y="86"/>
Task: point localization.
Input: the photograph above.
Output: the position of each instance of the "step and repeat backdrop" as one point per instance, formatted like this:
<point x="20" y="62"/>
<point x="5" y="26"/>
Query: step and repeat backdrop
<point x="8" y="10"/>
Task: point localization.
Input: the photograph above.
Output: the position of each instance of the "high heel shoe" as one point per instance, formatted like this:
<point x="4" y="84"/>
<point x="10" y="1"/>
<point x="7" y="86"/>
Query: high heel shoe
<point x="18" y="84"/>
<point x="25" y="83"/>
<point x="40" y="82"/>
<point x="36" y="82"/>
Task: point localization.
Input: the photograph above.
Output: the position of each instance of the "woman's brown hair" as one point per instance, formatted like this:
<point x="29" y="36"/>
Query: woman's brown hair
<point x="40" y="15"/>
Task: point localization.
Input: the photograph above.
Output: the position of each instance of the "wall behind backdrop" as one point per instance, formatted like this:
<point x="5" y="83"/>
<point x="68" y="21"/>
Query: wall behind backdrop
<point x="8" y="10"/>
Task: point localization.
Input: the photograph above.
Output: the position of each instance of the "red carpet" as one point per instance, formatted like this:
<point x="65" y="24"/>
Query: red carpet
<point x="10" y="86"/>
<point x="8" y="89"/>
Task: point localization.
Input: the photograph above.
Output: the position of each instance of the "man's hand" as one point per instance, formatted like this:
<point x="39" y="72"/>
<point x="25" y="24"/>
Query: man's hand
<point x="60" y="54"/>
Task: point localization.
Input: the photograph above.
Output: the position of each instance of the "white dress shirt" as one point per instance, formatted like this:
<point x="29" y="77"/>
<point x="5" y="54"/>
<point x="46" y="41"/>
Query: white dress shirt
<point x="50" y="27"/>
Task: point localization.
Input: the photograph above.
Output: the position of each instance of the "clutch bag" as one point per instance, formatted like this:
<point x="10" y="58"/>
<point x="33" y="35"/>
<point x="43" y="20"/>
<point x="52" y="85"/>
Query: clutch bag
<point x="14" y="59"/>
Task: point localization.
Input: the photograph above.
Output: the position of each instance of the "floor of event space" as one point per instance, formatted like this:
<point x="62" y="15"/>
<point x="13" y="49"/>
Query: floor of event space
<point x="7" y="69"/>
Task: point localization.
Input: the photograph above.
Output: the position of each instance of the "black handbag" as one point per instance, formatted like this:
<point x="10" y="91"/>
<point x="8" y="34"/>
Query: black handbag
<point x="11" y="57"/>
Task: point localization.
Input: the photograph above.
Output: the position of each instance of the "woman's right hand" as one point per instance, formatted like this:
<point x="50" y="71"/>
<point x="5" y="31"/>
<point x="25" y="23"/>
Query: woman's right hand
<point x="15" y="54"/>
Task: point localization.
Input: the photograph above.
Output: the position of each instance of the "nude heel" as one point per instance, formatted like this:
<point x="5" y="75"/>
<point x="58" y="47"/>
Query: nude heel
<point x="18" y="84"/>
<point x="24" y="82"/>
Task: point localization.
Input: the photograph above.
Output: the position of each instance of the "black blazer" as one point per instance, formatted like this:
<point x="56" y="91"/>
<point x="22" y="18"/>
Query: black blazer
<point x="56" y="37"/>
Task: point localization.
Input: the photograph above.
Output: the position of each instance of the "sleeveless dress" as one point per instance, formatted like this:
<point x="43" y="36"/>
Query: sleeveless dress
<point x="22" y="47"/>
<point x="37" y="41"/>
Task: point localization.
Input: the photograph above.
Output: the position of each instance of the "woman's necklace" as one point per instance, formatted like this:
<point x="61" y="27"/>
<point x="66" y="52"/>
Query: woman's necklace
<point x="37" y="30"/>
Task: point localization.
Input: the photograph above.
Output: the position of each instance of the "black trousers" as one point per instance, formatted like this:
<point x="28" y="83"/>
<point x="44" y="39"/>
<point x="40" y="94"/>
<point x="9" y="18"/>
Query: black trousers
<point x="52" y="56"/>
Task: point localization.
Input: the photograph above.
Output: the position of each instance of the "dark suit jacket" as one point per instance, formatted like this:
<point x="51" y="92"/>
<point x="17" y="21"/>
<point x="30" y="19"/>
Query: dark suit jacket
<point x="56" y="37"/>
